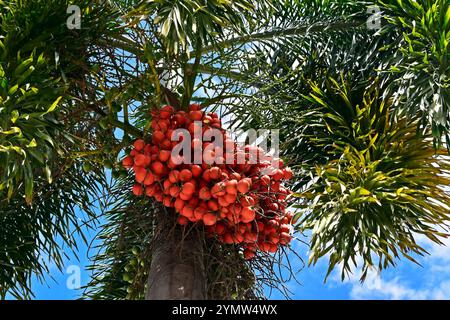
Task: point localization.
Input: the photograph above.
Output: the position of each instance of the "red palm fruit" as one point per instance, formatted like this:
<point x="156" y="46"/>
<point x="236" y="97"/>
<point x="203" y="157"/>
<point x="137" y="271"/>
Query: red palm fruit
<point x="199" y="212"/>
<point x="174" y="191"/>
<point x="188" y="188"/>
<point x="167" y="184"/>
<point x="223" y="202"/>
<point x="185" y="197"/>
<point x="166" y="112"/>
<point x="138" y="190"/>
<point x="230" y="198"/>
<point x="139" y="144"/>
<point x="133" y="153"/>
<point x="247" y="214"/>
<point x="228" y="238"/>
<point x="164" y="155"/>
<point x="275" y="186"/>
<point x="163" y="125"/>
<point x="285" y="228"/>
<point x="278" y="175"/>
<point x="251" y="237"/>
<point x="168" y="201"/>
<point x="174" y="176"/>
<point x="154" y="157"/>
<point x="209" y="219"/>
<point x="185" y="175"/>
<point x="150" y="190"/>
<point x="235" y="208"/>
<point x="279" y="163"/>
<point x="206" y="176"/>
<point x="247" y="201"/>
<point x="196" y="170"/>
<point x="204" y="193"/>
<point x="193" y="202"/>
<point x="187" y="211"/>
<point x="180" y="119"/>
<point x="128" y="162"/>
<point x="223" y="213"/>
<point x="218" y="190"/>
<point x="168" y="134"/>
<point x="166" y="144"/>
<point x="207" y="119"/>
<point x="285" y="237"/>
<point x="274" y="239"/>
<point x="243" y="186"/>
<point x="231" y="187"/>
<point x="182" y="220"/>
<point x="147" y="149"/>
<point x="205" y="167"/>
<point x="238" y="238"/>
<point x="154" y="149"/>
<point x="273" y="223"/>
<point x="141" y="160"/>
<point x="194" y="107"/>
<point x="264" y="246"/>
<point x="213" y="205"/>
<point x="158" y="168"/>
<point x="140" y="174"/>
<point x="214" y="173"/>
<point x="265" y="180"/>
<point x="149" y="178"/>
<point x="249" y="254"/>
<point x="287" y="173"/>
<point x="232" y="217"/>
<point x="235" y="176"/>
<point x="273" y="207"/>
<point x="158" y="136"/>
<point x="192" y="219"/>
<point x="179" y="204"/>
<point x="220" y="228"/>
<point x="260" y="226"/>
<point x="195" y="115"/>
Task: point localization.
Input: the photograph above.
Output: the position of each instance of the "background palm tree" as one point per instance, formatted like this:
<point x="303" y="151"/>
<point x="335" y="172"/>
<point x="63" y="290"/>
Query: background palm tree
<point x="362" y="112"/>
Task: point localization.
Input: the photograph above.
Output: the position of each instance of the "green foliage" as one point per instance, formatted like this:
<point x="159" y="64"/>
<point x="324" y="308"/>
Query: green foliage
<point x="193" y="23"/>
<point x="422" y="64"/>
<point x="32" y="237"/>
<point x="28" y="125"/>
<point x="382" y="186"/>
<point x="362" y="149"/>
<point x="43" y="71"/>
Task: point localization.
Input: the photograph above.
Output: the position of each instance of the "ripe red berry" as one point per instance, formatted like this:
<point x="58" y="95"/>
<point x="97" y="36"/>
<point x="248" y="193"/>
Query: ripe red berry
<point x="139" y="144"/>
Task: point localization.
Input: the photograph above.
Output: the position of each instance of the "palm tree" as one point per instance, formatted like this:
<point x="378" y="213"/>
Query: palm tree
<point x="363" y="117"/>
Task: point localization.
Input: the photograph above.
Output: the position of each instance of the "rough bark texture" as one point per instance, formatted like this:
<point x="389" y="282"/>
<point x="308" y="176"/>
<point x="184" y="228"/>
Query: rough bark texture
<point x="176" y="271"/>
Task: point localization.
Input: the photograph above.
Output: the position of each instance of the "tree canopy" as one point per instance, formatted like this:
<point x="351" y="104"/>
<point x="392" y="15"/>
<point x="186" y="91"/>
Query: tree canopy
<point x="363" y="114"/>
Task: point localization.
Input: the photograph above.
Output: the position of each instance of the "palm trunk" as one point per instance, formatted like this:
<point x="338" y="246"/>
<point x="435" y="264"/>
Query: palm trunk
<point x="176" y="271"/>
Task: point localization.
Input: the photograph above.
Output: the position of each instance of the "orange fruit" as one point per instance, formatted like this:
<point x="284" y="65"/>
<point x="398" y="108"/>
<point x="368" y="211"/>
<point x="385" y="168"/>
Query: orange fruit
<point x="138" y="190"/>
<point x="128" y="162"/>
<point x="185" y="175"/>
<point x="139" y="144"/>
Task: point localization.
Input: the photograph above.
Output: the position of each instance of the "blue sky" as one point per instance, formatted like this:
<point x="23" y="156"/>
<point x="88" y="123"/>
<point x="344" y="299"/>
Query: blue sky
<point x="406" y="281"/>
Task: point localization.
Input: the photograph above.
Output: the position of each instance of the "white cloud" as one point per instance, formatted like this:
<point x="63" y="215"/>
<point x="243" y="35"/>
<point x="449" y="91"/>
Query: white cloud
<point x="432" y="281"/>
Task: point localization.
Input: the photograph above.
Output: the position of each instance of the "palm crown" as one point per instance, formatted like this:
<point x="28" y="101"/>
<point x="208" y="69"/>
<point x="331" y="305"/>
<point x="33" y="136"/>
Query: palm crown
<point x="363" y="116"/>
